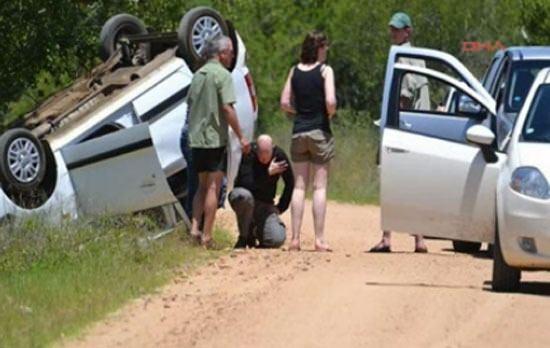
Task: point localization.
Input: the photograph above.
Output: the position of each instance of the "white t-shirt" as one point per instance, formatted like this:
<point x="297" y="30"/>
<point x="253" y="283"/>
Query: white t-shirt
<point x="415" y="87"/>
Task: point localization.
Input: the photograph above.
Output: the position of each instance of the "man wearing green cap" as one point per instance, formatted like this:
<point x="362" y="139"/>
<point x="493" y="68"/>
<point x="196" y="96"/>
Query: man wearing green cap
<point x="414" y="95"/>
<point x="414" y="88"/>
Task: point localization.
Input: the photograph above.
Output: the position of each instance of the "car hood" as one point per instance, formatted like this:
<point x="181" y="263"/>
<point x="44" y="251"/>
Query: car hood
<point x="534" y="155"/>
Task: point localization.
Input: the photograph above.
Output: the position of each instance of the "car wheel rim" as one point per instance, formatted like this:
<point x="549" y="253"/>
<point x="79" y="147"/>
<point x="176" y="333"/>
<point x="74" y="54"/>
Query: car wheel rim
<point x="204" y="28"/>
<point x="23" y="160"/>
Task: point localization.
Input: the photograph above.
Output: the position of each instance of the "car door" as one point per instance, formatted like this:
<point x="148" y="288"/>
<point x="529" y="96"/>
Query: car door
<point x="433" y="182"/>
<point x="117" y="173"/>
<point x="163" y="107"/>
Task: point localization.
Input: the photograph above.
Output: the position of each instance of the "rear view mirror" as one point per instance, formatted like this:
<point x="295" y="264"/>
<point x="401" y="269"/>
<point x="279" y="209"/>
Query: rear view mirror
<point x="467" y="106"/>
<point x="480" y="135"/>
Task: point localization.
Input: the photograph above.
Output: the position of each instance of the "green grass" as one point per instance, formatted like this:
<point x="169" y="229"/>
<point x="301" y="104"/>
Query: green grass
<point x="353" y="172"/>
<point x="54" y="280"/>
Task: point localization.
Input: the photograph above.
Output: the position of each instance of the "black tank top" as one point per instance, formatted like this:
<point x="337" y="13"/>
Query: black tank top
<point x="308" y="88"/>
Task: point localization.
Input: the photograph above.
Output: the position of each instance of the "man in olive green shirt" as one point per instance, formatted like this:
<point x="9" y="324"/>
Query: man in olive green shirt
<point x="210" y="100"/>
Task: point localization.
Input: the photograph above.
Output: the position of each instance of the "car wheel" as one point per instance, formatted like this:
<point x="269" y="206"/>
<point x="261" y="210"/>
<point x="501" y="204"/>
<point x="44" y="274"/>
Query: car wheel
<point x="235" y="41"/>
<point x="505" y="278"/>
<point x="196" y="27"/>
<point x="490" y="250"/>
<point x="114" y="32"/>
<point x="466" y="247"/>
<point x="23" y="160"/>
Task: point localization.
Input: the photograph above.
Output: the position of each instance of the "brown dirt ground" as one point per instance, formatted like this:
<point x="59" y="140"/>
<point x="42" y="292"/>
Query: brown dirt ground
<point x="348" y="298"/>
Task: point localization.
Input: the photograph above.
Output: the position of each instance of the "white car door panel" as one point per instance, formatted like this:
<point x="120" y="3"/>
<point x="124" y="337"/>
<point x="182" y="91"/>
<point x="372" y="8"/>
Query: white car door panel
<point x="453" y="128"/>
<point x="117" y="173"/>
<point x="166" y="118"/>
<point x="437" y="187"/>
<point x="163" y="91"/>
<point x="166" y="135"/>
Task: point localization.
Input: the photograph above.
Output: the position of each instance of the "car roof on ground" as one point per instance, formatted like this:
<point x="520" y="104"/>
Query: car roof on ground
<point x="529" y="52"/>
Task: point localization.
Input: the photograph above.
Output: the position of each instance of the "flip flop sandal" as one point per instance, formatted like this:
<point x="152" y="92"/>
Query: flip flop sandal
<point x="421" y="250"/>
<point x="380" y="249"/>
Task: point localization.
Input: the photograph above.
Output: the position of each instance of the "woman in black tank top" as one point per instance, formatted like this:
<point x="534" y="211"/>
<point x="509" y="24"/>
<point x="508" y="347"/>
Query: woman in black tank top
<point x="309" y="96"/>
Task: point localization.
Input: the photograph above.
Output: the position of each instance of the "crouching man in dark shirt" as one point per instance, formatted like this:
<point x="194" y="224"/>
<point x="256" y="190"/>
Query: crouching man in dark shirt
<point x="252" y="199"/>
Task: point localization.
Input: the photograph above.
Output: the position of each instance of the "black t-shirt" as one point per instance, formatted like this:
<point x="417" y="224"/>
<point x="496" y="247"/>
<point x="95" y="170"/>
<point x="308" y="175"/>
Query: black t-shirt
<point x="308" y="88"/>
<point x="254" y="176"/>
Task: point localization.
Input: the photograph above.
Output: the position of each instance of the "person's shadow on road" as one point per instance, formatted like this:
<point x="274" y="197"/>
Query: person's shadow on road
<point x="526" y="288"/>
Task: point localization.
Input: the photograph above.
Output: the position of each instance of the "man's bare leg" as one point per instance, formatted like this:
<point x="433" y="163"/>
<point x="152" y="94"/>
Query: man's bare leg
<point x="198" y="205"/>
<point x="301" y="177"/>
<point x="320" y="180"/>
<point x="213" y="184"/>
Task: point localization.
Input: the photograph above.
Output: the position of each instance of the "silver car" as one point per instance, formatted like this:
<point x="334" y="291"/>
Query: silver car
<point x="110" y="143"/>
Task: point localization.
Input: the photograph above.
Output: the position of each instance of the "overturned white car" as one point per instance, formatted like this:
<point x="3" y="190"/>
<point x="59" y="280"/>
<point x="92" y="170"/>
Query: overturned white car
<point x="110" y="143"/>
<point x="443" y="174"/>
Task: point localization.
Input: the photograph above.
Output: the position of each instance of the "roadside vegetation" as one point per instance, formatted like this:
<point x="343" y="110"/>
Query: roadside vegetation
<point x="56" y="279"/>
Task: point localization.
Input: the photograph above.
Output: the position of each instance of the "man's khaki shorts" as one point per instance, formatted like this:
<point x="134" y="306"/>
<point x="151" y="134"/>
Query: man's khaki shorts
<point x="315" y="146"/>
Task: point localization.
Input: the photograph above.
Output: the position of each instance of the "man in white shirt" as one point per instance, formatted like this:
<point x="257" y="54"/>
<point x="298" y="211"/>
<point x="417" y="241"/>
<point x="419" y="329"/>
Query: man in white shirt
<point x="414" y="96"/>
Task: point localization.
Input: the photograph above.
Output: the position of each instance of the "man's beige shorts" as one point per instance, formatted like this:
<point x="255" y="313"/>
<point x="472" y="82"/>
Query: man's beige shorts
<point x="315" y="146"/>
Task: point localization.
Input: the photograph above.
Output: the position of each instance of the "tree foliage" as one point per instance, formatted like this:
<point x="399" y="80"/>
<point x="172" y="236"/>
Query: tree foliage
<point x="536" y="21"/>
<point x="58" y="39"/>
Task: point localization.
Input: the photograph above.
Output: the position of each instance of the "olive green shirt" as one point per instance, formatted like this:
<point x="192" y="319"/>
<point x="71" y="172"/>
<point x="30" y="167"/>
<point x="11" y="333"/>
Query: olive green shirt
<point x="211" y="88"/>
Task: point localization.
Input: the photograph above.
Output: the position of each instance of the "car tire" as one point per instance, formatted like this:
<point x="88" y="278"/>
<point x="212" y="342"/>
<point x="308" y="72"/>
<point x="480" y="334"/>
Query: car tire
<point x="115" y="29"/>
<point x="22" y="161"/>
<point x="466" y="247"/>
<point x="196" y="26"/>
<point x="233" y="36"/>
<point x="505" y="278"/>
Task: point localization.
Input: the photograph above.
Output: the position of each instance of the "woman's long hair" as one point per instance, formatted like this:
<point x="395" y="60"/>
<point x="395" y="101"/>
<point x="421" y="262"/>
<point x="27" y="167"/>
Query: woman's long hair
<point x="310" y="47"/>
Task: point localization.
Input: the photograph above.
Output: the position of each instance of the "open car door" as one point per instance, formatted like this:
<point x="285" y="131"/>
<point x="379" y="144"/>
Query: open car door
<point x="117" y="173"/>
<point x="433" y="181"/>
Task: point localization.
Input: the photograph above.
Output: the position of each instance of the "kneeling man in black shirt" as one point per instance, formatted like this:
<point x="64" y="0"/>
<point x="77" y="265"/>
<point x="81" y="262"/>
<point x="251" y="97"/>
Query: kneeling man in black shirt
<point x="252" y="199"/>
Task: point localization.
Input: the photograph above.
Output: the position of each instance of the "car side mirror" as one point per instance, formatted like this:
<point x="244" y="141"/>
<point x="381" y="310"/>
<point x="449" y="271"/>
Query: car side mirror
<point x="480" y="135"/>
<point x="467" y="106"/>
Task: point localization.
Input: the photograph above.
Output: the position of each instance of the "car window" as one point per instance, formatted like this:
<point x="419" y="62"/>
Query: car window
<point x="430" y="63"/>
<point x="490" y="74"/>
<point x="499" y="85"/>
<point x="521" y="78"/>
<point x="428" y="94"/>
<point x="537" y="124"/>
<point x="432" y="107"/>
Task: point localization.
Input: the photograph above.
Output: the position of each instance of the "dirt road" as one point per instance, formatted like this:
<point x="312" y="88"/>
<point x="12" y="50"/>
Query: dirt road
<point x="348" y="298"/>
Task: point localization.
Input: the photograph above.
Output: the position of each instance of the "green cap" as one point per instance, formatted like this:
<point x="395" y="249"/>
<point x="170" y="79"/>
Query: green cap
<point x="400" y="20"/>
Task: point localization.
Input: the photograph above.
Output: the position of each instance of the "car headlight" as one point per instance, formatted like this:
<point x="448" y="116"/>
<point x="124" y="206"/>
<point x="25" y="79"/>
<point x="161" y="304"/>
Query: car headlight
<point x="531" y="182"/>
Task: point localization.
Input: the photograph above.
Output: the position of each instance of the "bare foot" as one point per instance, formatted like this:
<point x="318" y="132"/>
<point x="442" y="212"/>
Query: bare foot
<point x="196" y="236"/>
<point x="294" y="245"/>
<point x="207" y="242"/>
<point x="324" y="247"/>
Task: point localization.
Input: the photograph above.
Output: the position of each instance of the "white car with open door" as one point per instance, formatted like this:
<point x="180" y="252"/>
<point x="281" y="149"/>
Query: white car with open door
<point x="443" y="175"/>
